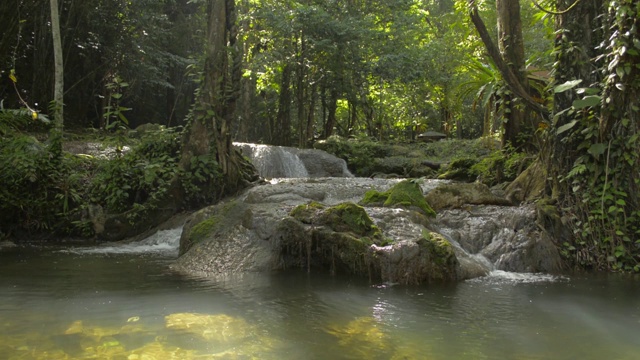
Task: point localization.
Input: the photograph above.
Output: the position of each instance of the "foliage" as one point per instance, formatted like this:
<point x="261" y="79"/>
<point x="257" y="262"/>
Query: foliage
<point x="147" y="42"/>
<point x="41" y="192"/>
<point x="359" y="155"/>
<point x="501" y="166"/>
<point x="139" y="176"/>
<point x="601" y="128"/>
<point x="36" y="193"/>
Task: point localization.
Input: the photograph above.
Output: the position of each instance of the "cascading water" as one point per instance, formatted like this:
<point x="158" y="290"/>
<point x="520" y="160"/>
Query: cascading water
<point x="163" y="243"/>
<point x="287" y="162"/>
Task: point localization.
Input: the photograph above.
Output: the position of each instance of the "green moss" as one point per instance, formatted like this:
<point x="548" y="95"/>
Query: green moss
<point x="306" y="213"/>
<point x="213" y="223"/>
<point x="406" y="193"/>
<point x="441" y="254"/>
<point x="461" y="169"/>
<point x="437" y="244"/>
<point x="203" y="229"/>
<point x="349" y="217"/>
<point x="373" y="197"/>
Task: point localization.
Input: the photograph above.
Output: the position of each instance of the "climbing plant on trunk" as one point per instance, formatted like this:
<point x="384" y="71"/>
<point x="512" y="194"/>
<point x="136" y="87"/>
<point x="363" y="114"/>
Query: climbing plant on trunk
<point x="594" y="160"/>
<point x="209" y="132"/>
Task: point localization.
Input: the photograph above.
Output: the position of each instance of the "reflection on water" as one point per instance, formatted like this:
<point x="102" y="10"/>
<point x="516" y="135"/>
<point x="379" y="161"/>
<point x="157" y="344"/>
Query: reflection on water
<point x="116" y="304"/>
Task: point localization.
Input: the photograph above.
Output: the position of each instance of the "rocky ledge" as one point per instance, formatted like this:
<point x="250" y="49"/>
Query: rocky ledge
<point x="381" y="229"/>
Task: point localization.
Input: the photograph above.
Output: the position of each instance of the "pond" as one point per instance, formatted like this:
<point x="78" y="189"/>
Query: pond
<point x="123" y="302"/>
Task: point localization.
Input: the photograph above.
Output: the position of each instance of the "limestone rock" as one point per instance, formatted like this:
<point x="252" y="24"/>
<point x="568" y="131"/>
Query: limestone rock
<point x="456" y="195"/>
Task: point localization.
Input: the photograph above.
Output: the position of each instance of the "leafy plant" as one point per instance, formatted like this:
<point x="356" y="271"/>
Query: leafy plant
<point x="113" y="115"/>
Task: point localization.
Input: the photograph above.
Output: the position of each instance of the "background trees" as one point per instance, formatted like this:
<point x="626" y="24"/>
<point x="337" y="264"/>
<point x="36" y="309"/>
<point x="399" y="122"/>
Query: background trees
<point x="310" y="68"/>
<point x="146" y="44"/>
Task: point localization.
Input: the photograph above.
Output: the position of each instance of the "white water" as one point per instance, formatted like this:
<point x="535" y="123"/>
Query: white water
<point x="508" y="277"/>
<point x="163" y="242"/>
<point x="276" y="162"/>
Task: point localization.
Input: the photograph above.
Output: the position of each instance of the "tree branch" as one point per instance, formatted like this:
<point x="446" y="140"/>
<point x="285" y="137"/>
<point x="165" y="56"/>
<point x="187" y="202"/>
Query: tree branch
<point x="509" y="77"/>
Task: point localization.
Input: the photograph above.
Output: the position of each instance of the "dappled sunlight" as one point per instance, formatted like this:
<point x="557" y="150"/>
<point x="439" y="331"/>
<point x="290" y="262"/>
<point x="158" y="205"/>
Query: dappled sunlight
<point x="216" y="336"/>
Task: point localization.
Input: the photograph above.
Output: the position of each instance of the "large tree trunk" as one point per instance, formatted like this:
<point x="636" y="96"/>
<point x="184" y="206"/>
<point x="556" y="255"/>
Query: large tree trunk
<point x="216" y="102"/>
<point x="511" y="45"/>
<point x="577" y="43"/>
<point x="593" y="161"/>
<point x="300" y="89"/>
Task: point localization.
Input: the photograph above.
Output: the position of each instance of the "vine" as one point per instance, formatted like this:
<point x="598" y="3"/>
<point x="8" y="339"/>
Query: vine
<point x="551" y="12"/>
<point x="605" y="177"/>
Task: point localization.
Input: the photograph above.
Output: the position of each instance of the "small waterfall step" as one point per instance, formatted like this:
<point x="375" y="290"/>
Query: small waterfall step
<point x="288" y="162"/>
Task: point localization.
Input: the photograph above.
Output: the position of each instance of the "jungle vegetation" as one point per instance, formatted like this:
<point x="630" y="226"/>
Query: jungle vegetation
<point x="555" y="80"/>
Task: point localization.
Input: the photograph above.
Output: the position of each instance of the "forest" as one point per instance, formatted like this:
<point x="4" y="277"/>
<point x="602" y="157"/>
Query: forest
<point x="556" y="80"/>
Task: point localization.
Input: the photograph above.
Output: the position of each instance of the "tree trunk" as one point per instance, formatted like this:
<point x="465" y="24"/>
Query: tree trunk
<point x="332" y="106"/>
<point x="311" y="114"/>
<point x="511" y="47"/>
<point x="577" y="44"/>
<point x="509" y="77"/>
<point x="216" y="101"/>
<point x="282" y="128"/>
<point x="58" y="96"/>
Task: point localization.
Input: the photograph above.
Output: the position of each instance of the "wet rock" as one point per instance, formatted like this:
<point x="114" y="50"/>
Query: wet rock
<point x="456" y="195"/>
<point x="508" y="237"/>
<point x="315" y="224"/>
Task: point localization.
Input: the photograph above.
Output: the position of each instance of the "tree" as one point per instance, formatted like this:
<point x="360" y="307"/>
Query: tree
<point x="511" y="45"/>
<point x="592" y="156"/>
<point x="58" y="97"/>
<point x="513" y="56"/>
<point x="214" y="110"/>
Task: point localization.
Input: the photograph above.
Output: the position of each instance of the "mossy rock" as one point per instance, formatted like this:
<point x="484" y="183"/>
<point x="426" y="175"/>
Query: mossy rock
<point x="441" y="256"/>
<point x="455" y="196"/>
<point x="405" y="194"/>
<point x="307" y="213"/>
<point x="461" y="170"/>
<point x="349" y="217"/>
<point x="209" y="222"/>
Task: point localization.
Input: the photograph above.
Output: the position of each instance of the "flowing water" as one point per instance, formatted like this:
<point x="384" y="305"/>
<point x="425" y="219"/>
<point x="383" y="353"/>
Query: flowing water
<point x="123" y="302"/>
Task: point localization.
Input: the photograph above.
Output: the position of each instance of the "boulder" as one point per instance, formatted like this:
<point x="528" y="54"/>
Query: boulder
<point x="456" y="195"/>
<point x="303" y="224"/>
<point x="317" y="225"/>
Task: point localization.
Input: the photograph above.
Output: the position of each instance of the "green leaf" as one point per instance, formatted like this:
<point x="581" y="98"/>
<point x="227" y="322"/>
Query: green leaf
<point x="597" y="149"/>
<point x="567" y="86"/>
<point x="566" y="127"/>
<point x="591" y="100"/>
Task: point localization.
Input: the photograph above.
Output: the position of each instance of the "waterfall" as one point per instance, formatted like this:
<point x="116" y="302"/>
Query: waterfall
<point x="287" y="162"/>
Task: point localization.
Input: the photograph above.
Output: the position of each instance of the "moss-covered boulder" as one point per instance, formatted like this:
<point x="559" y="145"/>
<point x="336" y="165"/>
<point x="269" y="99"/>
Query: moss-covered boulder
<point x="211" y="222"/>
<point x="456" y="195"/>
<point x="335" y="238"/>
<point x="406" y="194"/>
<point x="429" y="259"/>
<point x="460" y="169"/>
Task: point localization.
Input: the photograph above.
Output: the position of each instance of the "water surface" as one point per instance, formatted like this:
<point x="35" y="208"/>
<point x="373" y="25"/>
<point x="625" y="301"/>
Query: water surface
<point x="122" y="302"/>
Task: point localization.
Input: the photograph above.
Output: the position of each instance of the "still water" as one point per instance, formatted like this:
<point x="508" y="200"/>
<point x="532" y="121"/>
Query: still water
<point x="122" y="302"/>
